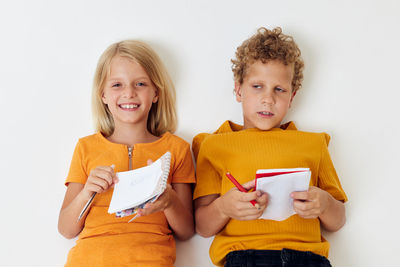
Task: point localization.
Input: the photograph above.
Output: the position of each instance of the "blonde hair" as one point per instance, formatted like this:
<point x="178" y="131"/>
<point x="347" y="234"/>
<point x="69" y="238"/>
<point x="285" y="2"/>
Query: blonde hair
<point x="162" y="115"/>
<point x="268" y="45"/>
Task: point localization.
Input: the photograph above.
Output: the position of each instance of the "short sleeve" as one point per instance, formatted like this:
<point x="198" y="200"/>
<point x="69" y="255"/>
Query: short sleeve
<point x="77" y="172"/>
<point x="208" y="178"/>
<point x="184" y="170"/>
<point x="328" y="179"/>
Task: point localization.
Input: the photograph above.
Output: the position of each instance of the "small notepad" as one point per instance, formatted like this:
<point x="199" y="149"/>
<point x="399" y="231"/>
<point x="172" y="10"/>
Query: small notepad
<point x="279" y="184"/>
<point x="139" y="186"/>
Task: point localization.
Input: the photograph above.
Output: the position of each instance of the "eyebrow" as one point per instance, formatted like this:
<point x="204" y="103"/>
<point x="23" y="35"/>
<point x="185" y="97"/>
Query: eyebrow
<point x="110" y="79"/>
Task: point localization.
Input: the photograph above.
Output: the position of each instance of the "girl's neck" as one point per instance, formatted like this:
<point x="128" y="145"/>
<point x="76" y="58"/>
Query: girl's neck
<point x="131" y="134"/>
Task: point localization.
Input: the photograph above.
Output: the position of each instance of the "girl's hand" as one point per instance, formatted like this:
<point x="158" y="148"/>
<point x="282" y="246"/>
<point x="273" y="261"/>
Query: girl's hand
<point x="310" y="204"/>
<point x="164" y="201"/>
<point x="235" y="204"/>
<point x="100" y="180"/>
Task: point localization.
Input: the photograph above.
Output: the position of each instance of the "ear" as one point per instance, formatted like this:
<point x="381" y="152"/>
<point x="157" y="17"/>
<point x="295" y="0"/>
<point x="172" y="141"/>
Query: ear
<point x="103" y="98"/>
<point x="155" y="98"/>
<point x="238" y="92"/>
<point x="291" y="98"/>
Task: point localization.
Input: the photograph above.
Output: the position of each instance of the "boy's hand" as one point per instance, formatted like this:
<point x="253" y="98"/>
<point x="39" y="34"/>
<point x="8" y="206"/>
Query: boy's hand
<point x="235" y="204"/>
<point x="312" y="203"/>
<point x="100" y="180"/>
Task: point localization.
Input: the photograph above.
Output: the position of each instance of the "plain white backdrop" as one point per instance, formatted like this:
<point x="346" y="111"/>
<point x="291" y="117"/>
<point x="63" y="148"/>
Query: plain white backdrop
<point x="48" y="54"/>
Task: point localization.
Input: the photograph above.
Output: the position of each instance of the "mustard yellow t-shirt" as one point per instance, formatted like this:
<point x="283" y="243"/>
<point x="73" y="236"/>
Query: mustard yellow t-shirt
<point x="110" y="241"/>
<point x="242" y="153"/>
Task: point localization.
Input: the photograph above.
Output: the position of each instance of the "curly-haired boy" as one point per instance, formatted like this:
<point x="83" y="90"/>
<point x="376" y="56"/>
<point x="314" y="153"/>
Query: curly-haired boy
<point x="268" y="72"/>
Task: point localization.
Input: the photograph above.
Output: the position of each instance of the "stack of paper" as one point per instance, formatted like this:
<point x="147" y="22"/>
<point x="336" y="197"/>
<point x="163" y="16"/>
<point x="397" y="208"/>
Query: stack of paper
<point x="279" y="184"/>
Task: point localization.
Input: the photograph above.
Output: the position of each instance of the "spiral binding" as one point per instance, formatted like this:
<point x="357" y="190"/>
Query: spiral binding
<point x="165" y="165"/>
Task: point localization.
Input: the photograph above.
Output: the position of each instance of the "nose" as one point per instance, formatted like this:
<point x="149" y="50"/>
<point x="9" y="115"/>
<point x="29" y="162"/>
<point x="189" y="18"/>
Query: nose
<point x="268" y="98"/>
<point x="129" y="92"/>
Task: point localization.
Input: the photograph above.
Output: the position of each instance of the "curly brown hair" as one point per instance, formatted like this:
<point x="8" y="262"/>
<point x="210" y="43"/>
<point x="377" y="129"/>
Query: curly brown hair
<point x="268" y="45"/>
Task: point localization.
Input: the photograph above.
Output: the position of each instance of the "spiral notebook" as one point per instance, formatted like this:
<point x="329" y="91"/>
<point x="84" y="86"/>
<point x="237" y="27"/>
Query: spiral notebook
<point x="140" y="186"/>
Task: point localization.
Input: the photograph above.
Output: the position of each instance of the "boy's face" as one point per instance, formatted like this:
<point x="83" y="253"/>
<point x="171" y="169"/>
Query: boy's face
<point x="265" y="94"/>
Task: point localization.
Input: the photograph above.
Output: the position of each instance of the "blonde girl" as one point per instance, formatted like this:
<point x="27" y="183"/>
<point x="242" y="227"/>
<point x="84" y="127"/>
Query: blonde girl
<point x="133" y="102"/>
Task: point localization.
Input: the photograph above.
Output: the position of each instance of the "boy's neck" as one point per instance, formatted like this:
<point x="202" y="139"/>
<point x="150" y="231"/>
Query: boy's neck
<point x="131" y="134"/>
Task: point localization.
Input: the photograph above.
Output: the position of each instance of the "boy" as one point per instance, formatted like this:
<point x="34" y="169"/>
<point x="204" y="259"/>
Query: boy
<point x="267" y="72"/>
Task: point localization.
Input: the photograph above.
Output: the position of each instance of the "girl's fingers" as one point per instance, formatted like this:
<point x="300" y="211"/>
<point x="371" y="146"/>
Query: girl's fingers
<point x="101" y="183"/>
<point x="104" y="174"/>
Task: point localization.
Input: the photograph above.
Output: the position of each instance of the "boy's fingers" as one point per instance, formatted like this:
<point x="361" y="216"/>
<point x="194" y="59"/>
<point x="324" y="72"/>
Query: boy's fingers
<point x="248" y="196"/>
<point x="249" y="185"/>
<point x="149" y="162"/>
<point x="263" y="199"/>
<point x="300" y="195"/>
<point x="302" y="206"/>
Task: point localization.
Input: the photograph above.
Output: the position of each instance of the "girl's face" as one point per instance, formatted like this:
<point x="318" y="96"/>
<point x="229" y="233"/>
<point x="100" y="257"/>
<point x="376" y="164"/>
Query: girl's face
<point x="265" y="94"/>
<point x="128" y="92"/>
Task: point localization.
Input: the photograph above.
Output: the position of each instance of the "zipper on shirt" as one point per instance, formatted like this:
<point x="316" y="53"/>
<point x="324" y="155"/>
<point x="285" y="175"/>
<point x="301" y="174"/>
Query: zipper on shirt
<point x="130" y="149"/>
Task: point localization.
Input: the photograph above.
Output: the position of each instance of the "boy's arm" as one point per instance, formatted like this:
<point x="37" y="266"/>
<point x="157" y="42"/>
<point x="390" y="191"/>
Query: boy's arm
<point x="209" y="219"/>
<point x="212" y="212"/>
<point x="318" y="203"/>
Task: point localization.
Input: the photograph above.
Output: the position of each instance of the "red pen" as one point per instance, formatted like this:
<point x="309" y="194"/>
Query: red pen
<point x="240" y="187"/>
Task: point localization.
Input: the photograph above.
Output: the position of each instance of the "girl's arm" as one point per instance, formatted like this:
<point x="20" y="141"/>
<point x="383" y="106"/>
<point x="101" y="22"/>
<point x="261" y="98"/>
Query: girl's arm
<point x="74" y="201"/>
<point x="180" y="214"/>
<point x="100" y="180"/>
<point x="176" y="202"/>
<point x="213" y="212"/>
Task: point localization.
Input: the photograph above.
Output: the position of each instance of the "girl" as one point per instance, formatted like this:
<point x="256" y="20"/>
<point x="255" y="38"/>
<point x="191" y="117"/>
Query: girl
<point x="133" y="103"/>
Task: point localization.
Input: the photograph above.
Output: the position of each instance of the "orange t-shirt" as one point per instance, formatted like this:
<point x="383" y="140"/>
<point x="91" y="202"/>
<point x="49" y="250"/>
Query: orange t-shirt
<point x="110" y="241"/>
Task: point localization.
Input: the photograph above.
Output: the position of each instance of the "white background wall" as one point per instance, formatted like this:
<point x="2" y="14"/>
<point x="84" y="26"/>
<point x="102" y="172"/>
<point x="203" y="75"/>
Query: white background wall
<point x="48" y="53"/>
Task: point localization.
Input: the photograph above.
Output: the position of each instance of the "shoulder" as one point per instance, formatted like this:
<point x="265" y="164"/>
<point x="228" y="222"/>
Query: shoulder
<point x="175" y="142"/>
<point x="90" y="144"/>
<point x="197" y="141"/>
<point x="90" y="140"/>
<point x="209" y="140"/>
<point x="321" y="138"/>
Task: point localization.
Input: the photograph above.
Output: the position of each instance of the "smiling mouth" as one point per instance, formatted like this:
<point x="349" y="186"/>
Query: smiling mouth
<point x="128" y="106"/>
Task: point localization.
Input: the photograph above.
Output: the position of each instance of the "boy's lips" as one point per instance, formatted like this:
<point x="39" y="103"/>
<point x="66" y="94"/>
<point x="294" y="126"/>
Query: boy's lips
<point x="265" y="114"/>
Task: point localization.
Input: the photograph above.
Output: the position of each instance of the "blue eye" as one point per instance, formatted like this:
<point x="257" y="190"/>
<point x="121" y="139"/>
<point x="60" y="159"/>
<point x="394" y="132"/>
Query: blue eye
<point x="116" y="85"/>
<point x="140" y="84"/>
<point x="257" y="86"/>
<point x="280" y="89"/>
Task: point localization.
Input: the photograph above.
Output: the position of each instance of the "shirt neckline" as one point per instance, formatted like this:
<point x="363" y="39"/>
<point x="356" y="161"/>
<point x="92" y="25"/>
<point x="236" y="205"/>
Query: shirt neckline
<point x="105" y="140"/>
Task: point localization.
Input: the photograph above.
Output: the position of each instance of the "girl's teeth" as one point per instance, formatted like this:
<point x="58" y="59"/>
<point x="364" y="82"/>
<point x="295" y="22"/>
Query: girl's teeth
<point x="129" y="106"/>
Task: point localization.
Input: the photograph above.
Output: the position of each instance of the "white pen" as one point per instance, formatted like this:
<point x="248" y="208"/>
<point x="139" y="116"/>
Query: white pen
<point x="89" y="201"/>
